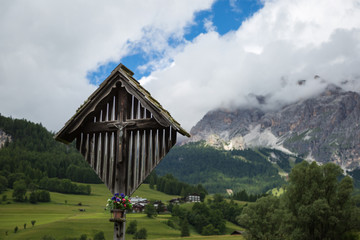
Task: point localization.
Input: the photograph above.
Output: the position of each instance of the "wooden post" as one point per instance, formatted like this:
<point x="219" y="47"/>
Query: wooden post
<point x="119" y="227"/>
<point x="121" y="156"/>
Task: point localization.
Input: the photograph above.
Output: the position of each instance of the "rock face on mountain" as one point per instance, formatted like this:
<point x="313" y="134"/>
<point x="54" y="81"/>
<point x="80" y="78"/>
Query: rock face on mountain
<point x="4" y="138"/>
<point x="323" y="128"/>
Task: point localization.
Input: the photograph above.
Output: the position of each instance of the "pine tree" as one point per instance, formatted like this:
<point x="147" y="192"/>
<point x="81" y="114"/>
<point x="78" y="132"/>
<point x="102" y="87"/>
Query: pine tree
<point x="185" y="228"/>
<point x="152" y="182"/>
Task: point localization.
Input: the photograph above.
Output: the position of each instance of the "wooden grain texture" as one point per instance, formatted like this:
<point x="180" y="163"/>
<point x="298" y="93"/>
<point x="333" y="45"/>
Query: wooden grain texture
<point x="122" y="132"/>
<point x="123" y="142"/>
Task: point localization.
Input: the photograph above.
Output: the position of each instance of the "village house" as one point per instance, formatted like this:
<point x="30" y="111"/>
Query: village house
<point x="193" y="198"/>
<point x="138" y="200"/>
<point x="177" y="200"/>
<point x="138" y="208"/>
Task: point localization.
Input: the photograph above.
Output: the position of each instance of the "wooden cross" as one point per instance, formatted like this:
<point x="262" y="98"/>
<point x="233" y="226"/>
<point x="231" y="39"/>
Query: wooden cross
<point x="122" y="132"/>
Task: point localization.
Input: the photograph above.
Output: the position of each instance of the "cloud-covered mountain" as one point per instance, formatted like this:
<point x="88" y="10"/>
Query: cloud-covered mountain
<point x="325" y="128"/>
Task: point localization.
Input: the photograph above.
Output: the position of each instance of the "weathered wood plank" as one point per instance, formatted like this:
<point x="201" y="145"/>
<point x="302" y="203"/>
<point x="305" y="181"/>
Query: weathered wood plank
<point x="86" y="148"/>
<point x="147" y="114"/>
<point x="161" y="145"/>
<point x="130" y="163"/>
<point x="173" y="137"/>
<point x="91" y="146"/>
<point x="142" y="111"/>
<point x="141" y="159"/>
<point x="133" y="159"/>
<point x="147" y="155"/>
<point x="128" y="109"/>
<point x="153" y="147"/>
<point x="104" y="112"/>
<point x="136" y="158"/>
<point x="112" y="163"/>
<point x="102" y="155"/>
<point x="105" y="159"/>
<point x="167" y="140"/>
<point x="96" y="151"/>
<point x="83" y="142"/>
<point x="99" y="155"/>
<point x="135" y="108"/>
<point x="111" y="109"/>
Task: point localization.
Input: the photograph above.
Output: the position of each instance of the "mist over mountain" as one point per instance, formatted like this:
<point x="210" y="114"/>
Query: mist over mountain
<point x="324" y="127"/>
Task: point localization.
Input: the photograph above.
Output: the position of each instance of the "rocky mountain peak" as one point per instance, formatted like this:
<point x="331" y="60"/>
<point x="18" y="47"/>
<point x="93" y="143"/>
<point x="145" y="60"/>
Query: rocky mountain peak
<point x="323" y="128"/>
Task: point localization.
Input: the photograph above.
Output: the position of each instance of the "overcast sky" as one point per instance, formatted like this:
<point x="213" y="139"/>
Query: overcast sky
<point x="193" y="56"/>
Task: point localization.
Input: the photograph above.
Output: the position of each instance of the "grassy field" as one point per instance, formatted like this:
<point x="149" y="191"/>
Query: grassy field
<point x="62" y="219"/>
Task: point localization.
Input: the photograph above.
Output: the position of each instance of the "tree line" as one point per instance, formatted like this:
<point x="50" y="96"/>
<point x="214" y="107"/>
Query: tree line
<point x="34" y="156"/>
<point x="218" y="170"/>
<point x="246" y="197"/>
<point x="208" y="218"/>
<point x="170" y="185"/>
<point x="317" y="204"/>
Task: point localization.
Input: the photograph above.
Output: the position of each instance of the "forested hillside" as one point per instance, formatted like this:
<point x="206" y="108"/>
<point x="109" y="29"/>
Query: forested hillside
<point x="33" y="155"/>
<point x="217" y="170"/>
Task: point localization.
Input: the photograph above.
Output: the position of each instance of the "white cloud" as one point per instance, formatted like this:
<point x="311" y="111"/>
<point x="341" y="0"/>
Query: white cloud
<point x="284" y="42"/>
<point x="47" y="47"/>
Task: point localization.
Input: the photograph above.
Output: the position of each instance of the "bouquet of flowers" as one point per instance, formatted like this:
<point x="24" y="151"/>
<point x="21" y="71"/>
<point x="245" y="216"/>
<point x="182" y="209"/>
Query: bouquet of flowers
<point x="121" y="202"/>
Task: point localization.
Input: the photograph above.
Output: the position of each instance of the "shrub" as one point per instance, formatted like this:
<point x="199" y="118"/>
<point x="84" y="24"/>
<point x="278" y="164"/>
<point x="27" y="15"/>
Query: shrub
<point x="150" y="211"/>
<point x="141" y="234"/>
<point x="132" y="228"/>
<point x="170" y="223"/>
<point x="3" y="183"/>
<point x="83" y="237"/>
<point x="99" y="236"/>
<point x="185" y="228"/>
<point x="19" y="190"/>
<point x="33" y="198"/>
<point x="43" y="196"/>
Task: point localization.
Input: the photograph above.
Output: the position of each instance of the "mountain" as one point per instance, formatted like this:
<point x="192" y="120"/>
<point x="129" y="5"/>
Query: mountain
<point x="325" y="128"/>
<point x="255" y="170"/>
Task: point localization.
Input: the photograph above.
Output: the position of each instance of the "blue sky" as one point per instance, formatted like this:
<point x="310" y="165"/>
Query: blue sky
<point x="225" y="16"/>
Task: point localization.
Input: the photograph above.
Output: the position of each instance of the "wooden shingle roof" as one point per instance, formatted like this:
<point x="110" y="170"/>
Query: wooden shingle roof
<point x="120" y="75"/>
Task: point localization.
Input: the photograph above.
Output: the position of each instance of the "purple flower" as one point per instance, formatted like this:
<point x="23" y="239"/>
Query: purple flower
<point x="122" y="195"/>
<point x="116" y="194"/>
<point x="113" y="198"/>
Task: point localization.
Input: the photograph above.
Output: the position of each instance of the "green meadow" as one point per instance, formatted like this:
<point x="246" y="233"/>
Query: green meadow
<point x="62" y="219"/>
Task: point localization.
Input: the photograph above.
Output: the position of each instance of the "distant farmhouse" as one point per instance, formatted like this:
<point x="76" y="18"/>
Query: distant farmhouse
<point x="139" y="203"/>
<point x="193" y="198"/>
<point x="189" y="199"/>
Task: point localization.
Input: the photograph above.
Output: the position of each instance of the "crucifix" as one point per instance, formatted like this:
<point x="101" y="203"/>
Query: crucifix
<point x="122" y="132"/>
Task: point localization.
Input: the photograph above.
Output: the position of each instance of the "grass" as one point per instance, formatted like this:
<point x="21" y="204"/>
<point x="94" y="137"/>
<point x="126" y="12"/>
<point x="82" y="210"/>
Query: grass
<point x="145" y="191"/>
<point x="61" y="217"/>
